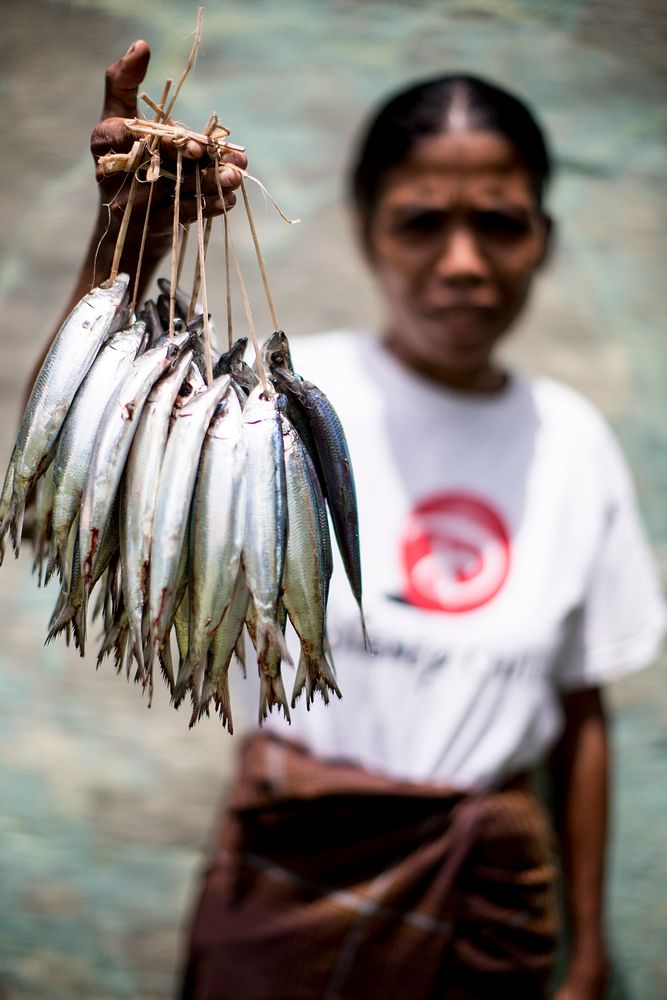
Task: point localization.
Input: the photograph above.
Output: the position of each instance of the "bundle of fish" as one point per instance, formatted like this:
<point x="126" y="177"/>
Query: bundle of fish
<point x="194" y="509"/>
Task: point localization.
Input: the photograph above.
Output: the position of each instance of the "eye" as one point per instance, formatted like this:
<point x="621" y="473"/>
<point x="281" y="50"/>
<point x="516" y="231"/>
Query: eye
<point x="418" y="224"/>
<point x="501" y="225"/>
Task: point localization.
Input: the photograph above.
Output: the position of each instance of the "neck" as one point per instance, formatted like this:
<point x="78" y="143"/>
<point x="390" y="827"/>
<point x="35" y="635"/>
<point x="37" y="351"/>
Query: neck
<point x="485" y="379"/>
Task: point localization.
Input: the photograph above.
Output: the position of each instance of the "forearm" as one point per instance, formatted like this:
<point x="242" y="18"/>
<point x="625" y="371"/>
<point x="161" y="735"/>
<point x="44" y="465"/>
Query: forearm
<point x="217" y="176"/>
<point x="581" y="782"/>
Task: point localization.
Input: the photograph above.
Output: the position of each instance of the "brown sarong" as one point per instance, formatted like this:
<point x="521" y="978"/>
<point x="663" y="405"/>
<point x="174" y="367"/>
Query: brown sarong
<point x="332" y="883"/>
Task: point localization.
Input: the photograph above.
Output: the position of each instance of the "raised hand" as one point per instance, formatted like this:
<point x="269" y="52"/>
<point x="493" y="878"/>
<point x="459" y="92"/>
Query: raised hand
<point x="111" y="135"/>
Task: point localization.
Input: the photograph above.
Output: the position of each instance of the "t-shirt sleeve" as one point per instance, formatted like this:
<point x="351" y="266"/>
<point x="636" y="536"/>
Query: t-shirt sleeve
<point x="620" y="623"/>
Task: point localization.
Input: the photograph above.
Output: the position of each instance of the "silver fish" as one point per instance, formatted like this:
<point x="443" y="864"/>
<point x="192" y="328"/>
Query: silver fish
<point x="325" y="438"/>
<point x="223" y="647"/>
<point x="43" y="511"/>
<point x="177" y="480"/>
<point x="271" y="687"/>
<point x="112" y="444"/>
<point x="217" y="529"/>
<point x="139" y="495"/>
<point x="77" y="436"/>
<point x="308" y="566"/>
<point x="70" y="610"/>
<point x="266" y="519"/>
<point x="93" y="319"/>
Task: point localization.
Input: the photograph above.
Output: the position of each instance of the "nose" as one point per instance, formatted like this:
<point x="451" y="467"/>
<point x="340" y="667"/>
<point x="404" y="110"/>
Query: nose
<point x="460" y="261"/>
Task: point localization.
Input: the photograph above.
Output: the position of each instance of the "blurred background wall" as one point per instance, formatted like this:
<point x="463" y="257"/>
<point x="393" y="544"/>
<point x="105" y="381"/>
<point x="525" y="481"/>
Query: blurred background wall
<point x="105" y="807"/>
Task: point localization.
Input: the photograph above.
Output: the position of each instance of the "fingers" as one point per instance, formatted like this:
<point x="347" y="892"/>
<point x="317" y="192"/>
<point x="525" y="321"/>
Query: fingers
<point x="229" y="178"/>
<point x="111" y="136"/>
<point x="162" y="218"/>
<point x="122" y="82"/>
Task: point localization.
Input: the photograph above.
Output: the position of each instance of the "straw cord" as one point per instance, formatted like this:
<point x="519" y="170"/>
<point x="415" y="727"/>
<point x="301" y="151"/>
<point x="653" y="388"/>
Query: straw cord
<point x="260" y="259"/>
<point x="152" y="147"/>
<point x="122" y="232"/>
<point x="228" y="279"/>
<point x="202" y="276"/>
<point x="261" y="370"/>
<point x="190" y="63"/>
<point x="174" y="242"/>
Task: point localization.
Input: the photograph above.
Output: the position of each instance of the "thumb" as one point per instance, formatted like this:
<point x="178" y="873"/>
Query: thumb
<point x="122" y="82"/>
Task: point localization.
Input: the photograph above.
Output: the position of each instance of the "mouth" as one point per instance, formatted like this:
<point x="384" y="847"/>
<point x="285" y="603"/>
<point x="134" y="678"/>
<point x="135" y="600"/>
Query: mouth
<point x="461" y="320"/>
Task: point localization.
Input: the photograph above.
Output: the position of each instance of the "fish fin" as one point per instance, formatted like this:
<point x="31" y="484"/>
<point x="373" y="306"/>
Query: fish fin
<point x="239" y="650"/>
<point x="62" y="615"/>
<point x="198" y="683"/>
<point x="56" y="563"/>
<point x="271" y="639"/>
<point x="272" y="692"/>
<point x="61" y="622"/>
<point x="166" y="664"/>
<point x="7" y="494"/>
<point x="223" y="703"/>
<point x="138" y="649"/>
<point x="16" y="526"/>
<point x="80" y="620"/>
<point x="185" y="673"/>
<point x="368" y="646"/>
<point x="314" y="675"/>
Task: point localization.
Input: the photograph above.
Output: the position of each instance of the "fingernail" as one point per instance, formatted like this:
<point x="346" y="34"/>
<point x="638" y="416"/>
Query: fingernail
<point x="131" y="49"/>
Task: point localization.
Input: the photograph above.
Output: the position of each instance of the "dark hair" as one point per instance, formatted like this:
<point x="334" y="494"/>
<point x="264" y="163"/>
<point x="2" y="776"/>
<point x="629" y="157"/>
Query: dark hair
<point x="435" y="106"/>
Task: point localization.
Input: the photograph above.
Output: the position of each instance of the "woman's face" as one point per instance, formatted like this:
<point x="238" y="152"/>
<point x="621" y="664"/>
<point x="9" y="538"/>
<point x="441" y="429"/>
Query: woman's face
<point x="454" y="241"/>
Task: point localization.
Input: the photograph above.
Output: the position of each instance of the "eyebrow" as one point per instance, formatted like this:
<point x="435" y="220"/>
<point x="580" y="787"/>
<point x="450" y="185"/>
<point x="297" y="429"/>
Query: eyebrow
<point x="420" y="208"/>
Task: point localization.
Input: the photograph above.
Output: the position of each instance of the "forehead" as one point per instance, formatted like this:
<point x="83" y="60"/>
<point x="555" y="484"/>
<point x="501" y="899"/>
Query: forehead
<point x="459" y="165"/>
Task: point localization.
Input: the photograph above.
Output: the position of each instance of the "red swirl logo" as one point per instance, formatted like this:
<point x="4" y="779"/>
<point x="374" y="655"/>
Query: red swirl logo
<point x="455" y="553"/>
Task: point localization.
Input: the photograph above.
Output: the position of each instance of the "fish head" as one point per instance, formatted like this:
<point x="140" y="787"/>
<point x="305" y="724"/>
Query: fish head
<point x="276" y="352"/>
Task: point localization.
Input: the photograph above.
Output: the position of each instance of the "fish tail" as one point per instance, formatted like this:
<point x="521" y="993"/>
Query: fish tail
<point x="60" y="623"/>
<point x="183" y="681"/>
<point x="16" y="525"/>
<point x="368" y="646"/>
<point x="239" y="650"/>
<point x="166" y="664"/>
<point x="206" y="693"/>
<point x="56" y="563"/>
<point x="125" y="644"/>
<point x="79" y="621"/>
<point x="198" y="682"/>
<point x="223" y="703"/>
<point x="137" y="646"/>
<point x="314" y="674"/>
<point x="272" y="692"/>
<point x="7" y="494"/>
<point x="62" y="615"/>
<point x="270" y="639"/>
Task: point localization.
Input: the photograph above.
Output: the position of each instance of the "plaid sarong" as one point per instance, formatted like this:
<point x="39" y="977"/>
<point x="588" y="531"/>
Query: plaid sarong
<point x="332" y="883"/>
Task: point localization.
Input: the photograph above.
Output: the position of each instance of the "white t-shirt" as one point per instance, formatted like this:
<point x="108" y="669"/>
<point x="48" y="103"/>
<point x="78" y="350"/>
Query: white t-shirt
<point x="503" y="559"/>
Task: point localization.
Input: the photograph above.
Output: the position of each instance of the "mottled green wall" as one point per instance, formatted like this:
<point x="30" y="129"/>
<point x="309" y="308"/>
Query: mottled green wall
<point x="104" y="805"/>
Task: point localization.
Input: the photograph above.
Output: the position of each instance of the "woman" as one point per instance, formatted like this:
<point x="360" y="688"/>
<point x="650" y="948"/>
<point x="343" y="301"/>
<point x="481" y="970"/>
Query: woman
<point x="391" y="845"/>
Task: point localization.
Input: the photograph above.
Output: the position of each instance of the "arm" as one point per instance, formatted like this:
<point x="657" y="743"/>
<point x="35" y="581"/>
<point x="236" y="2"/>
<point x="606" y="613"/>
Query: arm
<point x="580" y="768"/>
<point x="110" y="134"/>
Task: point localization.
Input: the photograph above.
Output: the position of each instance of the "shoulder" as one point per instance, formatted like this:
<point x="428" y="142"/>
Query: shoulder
<point x="560" y="406"/>
<point x="592" y="456"/>
<point x="560" y="402"/>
